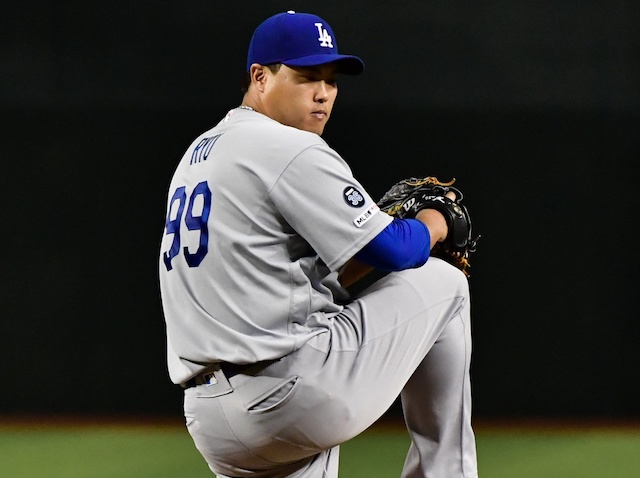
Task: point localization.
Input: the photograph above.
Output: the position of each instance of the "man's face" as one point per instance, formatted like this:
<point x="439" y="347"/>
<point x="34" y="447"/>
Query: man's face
<point x="301" y="97"/>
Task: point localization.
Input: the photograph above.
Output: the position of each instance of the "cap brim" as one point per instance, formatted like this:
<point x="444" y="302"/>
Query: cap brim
<point x="347" y="64"/>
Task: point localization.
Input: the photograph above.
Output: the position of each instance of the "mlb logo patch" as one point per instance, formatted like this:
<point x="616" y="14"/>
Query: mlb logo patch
<point x="365" y="216"/>
<point x="210" y="379"/>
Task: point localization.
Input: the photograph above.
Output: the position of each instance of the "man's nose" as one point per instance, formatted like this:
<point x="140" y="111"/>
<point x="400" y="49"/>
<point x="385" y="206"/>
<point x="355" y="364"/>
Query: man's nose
<point x="322" y="93"/>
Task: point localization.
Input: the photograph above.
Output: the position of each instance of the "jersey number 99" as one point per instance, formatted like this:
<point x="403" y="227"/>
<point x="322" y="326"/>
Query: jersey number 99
<point x="193" y="223"/>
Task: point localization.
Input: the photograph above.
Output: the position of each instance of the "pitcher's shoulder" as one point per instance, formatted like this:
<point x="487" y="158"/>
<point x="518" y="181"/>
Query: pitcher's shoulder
<point x="272" y="135"/>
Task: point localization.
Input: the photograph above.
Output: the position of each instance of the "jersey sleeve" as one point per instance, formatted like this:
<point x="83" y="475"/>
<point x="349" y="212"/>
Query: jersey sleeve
<point x="322" y="201"/>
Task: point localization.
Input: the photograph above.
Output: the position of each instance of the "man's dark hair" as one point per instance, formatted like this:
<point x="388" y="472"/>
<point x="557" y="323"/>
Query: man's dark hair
<point x="246" y="79"/>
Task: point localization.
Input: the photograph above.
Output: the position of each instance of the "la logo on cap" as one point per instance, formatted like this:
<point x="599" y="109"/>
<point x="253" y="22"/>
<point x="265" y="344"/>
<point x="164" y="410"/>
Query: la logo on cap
<point x="324" y="38"/>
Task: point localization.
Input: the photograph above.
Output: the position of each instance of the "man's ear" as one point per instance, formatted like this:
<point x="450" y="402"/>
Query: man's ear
<point x="258" y="76"/>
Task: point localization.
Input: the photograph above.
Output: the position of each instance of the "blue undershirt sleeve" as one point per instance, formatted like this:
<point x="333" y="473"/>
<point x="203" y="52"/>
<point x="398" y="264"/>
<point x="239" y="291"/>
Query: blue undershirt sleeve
<point x="403" y="244"/>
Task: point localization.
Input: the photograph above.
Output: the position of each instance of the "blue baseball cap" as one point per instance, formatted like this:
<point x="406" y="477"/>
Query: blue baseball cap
<point x="299" y="39"/>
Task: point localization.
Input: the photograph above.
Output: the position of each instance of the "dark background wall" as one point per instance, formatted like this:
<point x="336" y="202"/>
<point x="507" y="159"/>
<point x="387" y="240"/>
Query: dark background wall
<point x="533" y="106"/>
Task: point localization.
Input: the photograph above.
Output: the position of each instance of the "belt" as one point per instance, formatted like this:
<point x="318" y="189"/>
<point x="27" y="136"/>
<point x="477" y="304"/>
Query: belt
<point x="229" y="370"/>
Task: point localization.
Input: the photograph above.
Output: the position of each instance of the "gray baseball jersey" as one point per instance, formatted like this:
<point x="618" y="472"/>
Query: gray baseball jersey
<point x="260" y="217"/>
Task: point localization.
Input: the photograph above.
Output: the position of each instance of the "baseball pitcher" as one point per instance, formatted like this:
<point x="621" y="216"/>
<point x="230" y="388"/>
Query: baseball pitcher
<point x="298" y="308"/>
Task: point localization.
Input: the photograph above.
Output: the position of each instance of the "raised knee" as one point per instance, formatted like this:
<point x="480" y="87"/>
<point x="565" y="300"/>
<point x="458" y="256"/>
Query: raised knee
<point x="448" y="276"/>
<point x="446" y="268"/>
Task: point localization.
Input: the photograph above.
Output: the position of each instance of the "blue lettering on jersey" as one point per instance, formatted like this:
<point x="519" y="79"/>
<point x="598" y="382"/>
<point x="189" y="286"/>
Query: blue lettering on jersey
<point x="202" y="150"/>
<point x="193" y="222"/>
<point x="353" y="197"/>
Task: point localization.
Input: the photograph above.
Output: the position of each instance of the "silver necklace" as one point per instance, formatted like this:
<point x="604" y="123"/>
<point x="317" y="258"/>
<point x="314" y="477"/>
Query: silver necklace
<point x="244" y="107"/>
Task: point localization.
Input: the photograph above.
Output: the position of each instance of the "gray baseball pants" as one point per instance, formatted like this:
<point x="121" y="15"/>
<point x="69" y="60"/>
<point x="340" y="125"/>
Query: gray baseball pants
<point x="408" y="334"/>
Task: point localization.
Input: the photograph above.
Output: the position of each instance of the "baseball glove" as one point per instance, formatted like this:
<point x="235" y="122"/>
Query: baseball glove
<point x="409" y="196"/>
